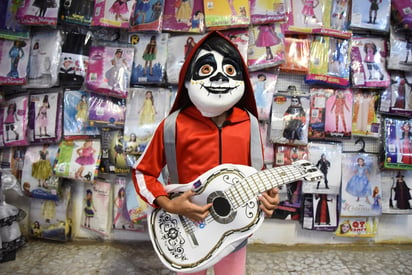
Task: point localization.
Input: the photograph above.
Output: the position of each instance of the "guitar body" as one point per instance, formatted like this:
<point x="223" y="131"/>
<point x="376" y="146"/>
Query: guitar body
<point x="185" y="246"/>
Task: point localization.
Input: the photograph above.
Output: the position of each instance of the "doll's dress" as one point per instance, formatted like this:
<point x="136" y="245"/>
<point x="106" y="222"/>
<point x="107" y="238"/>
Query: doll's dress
<point x="266" y="37"/>
<point x="117" y="75"/>
<point x="184" y="12"/>
<point x="147" y="115"/>
<point x="42" y="118"/>
<point x="35" y="70"/>
<point x="42" y="168"/>
<point x="10" y="234"/>
<point x="359" y="185"/>
<point x="10" y="116"/>
<point x="119" y="7"/>
<point x="308" y="8"/>
<point x="88" y="209"/>
<point x="86" y="157"/>
<point x="82" y="110"/>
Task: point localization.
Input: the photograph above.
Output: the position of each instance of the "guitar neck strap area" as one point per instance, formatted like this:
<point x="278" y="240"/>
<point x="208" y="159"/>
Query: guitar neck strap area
<point x="169" y="135"/>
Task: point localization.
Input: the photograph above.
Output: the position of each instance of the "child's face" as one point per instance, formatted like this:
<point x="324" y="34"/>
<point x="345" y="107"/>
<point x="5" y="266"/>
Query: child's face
<point x="345" y="228"/>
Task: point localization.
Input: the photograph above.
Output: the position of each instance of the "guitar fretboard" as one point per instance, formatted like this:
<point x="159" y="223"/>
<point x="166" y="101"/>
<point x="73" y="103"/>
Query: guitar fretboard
<point x="248" y="189"/>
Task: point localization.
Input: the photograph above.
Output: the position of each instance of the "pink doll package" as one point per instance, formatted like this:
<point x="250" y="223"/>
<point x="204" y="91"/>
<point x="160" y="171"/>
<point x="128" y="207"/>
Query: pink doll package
<point x="183" y="16"/>
<point x="370" y="15"/>
<point x="45" y="117"/>
<point x="10" y="28"/>
<point x="365" y="118"/>
<point x="109" y="70"/>
<point x="228" y="13"/>
<point x="38" y="179"/>
<point x="78" y="159"/>
<point x="112" y="13"/>
<point x="150" y="57"/>
<point x="361" y="186"/>
<point x="15" y="121"/>
<point x="106" y="111"/>
<point x="14" y="57"/>
<point x="305" y="15"/>
<point x="396" y="192"/>
<point x="263" y="11"/>
<point x="113" y="159"/>
<point x="45" y="52"/>
<point x="147" y="15"/>
<point x="38" y="12"/>
<point x="96" y="207"/>
<point x="266" y="47"/>
<point x="398" y="143"/>
<point x="264" y="86"/>
<point x="368" y="62"/>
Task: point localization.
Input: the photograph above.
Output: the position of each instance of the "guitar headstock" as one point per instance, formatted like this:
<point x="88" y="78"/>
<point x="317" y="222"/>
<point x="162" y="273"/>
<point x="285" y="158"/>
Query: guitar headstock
<point x="310" y="171"/>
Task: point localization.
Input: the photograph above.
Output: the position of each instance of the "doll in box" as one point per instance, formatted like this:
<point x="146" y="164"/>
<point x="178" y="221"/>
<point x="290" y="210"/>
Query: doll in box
<point x="406" y="143"/>
<point x="10" y="120"/>
<point x="323" y="164"/>
<point x="41" y="117"/>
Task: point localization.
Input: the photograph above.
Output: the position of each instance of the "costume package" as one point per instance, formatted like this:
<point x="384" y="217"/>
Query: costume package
<point x="297" y="51"/>
<point x="44" y="62"/>
<point x="10" y="28"/>
<point x="397" y="99"/>
<point x="15" y="118"/>
<point x="330" y="113"/>
<point x="38" y="12"/>
<point x="401" y="15"/>
<point x="109" y="70"/>
<point x="152" y="104"/>
<point x="38" y="179"/>
<point x="340" y="15"/>
<point x="51" y="219"/>
<point x="368" y="64"/>
<point x="396" y="192"/>
<point x="147" y="16"/>
<point x="263" y="11"/>
<point x="76" y="115"/>
<point x="306" y="16"/>
<point x="400" y="54"/>
<point x="361" y="185"/>
<point x="113" y="159"/>
<point x="268" y="153"/>
<point x="291" y="198"/>
<point x="96" y="207"/>
<point x="136" y="208"/>
<point x="150" y="54"/>
<point x="264" y="86"/>
<point x="183" y="16"/>
<point x="371" y="15"/>
<point x="17" y="161"/>
<point x="74" y="60"/>
<point x="45" y="117"/>
<point x="78" y="159"/>
<point x="397" y="143"/>
<point x="14" y="58"/>
<point x="320" y="212"/>
<point x="106" y="111"/>
<point x="223" y="14"/>
<point x="76" y="12"/>
<point x="289" y="117"/>
<point x="266" y="47"/>
<point x="365" y="118"/>
<point x="240" y="37"/>
<point x="360" y="227"/>
<point x="287" y="154"/>
<point x="112" y="13"/>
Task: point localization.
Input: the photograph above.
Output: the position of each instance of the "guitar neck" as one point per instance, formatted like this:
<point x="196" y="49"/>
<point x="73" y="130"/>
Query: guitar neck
<point x="251" y="187"/>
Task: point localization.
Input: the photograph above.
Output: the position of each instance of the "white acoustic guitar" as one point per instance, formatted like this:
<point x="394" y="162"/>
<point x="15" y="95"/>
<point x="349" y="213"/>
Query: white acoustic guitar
<point x="233" y="190"/>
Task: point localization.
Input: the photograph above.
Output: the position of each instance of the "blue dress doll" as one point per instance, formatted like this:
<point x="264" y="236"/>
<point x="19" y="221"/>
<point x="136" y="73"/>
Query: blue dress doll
<point x="359" y="184"/>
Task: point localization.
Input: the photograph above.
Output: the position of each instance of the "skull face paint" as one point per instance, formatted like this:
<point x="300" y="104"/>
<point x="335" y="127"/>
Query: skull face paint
<point x="216" y="84"/>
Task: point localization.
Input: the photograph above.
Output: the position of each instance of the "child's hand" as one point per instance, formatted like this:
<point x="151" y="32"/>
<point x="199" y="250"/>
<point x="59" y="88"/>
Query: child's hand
<point x="269" y="201"/>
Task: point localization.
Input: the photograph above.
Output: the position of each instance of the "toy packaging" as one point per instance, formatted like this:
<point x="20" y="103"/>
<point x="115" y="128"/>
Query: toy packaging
<point x="370" y="15"/>
<point x="287" y="154"/>
<point x="77" y="12"/>
<point x="106" y="111"/>
<point x="398" y="143"/>
<point x="240" y="37"/>
<point x="329" y="62"/>
<point x="38" y="180"/>
<point x="222" y="14"/>
<point x="184" y="16"/>
<point x="17" y="161"/>
<point x="50" y="219"/>
<point x="96" y="207"/>
<point x="396" y="192"/>
<point x="38" y="12"/>
<point x="289" y="207"/>
<point x="148" y="15"/>
<point x="14" y="58"/>
<point x="327" y="158"/>
<point x="45" y="117"/>
<point x="296" y="54"/>
<point x="401" y="14"/>
<point x="152" y="104"/>
<point x="289" y="117"/>
<point x="360" y="227"/>
<point x="15" y="118"/>
<point x="320" y="212"/>
<point x="268" y="156"/>
<point x="74" y="60"/>
<point x="266" y="47"/>
<point x="150" y="54"/>
<point x="45" y="53"/>
<point x="78" y="159"/>
<point x="264" y="86"/>
<point x="113" y="159"/>
<point x="263" y="11"/>
<point x="112" y="13"/>
<point x="76" y="115"/>
<point x="365" y="118"/>
<point x="340" y="15"/>
<point x="109" y="70"/>
<point x="136" y="208"/>
<point x="10" y="28"/>
<point x="368" y="62"/>
<point x="397" y="99"/>
<point x="400" y="54"/>
<point x="361" y="185"/>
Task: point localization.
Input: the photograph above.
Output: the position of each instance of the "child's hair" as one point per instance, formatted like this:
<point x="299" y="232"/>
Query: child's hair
<point x="370" y="44"/>
<point x="262" y="75"/>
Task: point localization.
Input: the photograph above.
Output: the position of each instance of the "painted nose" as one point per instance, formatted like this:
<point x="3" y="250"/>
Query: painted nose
<point x="219" y="76"/>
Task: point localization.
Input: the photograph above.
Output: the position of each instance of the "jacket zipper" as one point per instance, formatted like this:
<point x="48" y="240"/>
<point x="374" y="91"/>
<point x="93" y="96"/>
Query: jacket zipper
<point x="220" y="144"/>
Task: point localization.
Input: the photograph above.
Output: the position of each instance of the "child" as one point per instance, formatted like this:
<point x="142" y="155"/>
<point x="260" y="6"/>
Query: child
<point x="41" y="117"/>
<point x="359" y="185"/>
<point x="117" y="75"/>
<point x="119" y="8"/>
<point x="11" y="118"/>
<point x="89" y="208"/>
<point x="149" y="55"/>
<point x="86" y="157"/>
<point x="42" y="169"/>
<point x="148" y="111"/>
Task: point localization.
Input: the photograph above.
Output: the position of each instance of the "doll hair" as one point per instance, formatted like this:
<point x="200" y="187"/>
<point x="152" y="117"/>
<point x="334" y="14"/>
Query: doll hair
<point x="46" y="100"/>
<point x="372" y="45"/>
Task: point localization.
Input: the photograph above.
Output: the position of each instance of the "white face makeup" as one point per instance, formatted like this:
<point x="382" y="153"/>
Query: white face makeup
<point x="216" y="84"/>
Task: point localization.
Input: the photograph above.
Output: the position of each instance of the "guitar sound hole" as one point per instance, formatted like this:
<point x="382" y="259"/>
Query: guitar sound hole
<point x="221" y="206"/>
